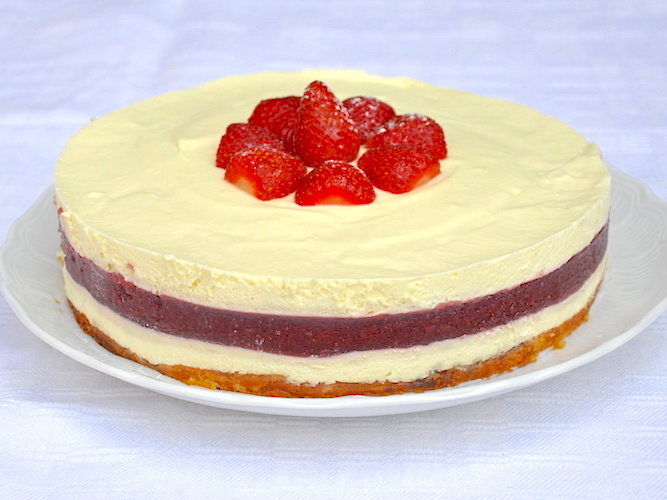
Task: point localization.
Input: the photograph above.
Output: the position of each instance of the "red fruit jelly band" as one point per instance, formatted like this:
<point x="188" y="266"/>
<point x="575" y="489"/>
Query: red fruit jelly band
<point x="327" y="336"/>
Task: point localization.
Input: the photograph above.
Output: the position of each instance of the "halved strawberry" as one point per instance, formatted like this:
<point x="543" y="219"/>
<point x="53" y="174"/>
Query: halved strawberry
<point x="335" y="182"/>
<point x="368" y="113"/>
<point x="398" y="168"/>
<point x="411" y="129"/>
<point x="265" y="173"/>
<point x="324" y="129"/>
<point x="240" y="136"/>
<point x="278" y="115"/>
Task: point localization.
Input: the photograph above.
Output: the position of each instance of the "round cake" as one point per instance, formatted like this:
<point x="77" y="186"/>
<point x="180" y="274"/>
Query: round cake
<point x="470" y="274"/>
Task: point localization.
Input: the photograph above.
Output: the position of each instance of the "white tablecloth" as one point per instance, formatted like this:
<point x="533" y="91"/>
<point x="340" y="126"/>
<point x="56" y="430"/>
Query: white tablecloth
<point x="69" y="432"/>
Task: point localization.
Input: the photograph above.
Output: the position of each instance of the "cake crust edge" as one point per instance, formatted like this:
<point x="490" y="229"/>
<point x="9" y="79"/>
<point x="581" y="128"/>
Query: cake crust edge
<point x="279" y="386"/>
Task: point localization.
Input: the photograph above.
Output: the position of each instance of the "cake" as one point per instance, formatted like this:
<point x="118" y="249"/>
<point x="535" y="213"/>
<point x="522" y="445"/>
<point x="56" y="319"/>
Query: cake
<point x="471" y="274"/>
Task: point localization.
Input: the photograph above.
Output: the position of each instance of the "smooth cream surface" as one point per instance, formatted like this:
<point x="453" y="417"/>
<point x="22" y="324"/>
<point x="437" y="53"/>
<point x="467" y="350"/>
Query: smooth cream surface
<point x="519" y="194"/>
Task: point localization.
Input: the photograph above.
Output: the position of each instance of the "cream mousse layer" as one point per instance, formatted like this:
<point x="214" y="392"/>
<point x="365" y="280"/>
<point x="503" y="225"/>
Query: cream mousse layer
<point x="519" y="194"/>
<point x="391" y="365"/>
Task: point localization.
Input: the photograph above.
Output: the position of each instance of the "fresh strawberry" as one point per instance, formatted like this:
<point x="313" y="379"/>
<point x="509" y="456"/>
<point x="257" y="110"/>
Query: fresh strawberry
<point x="412" y="129"/>
<point x="240" y="136"/>
<point x="279" y="115"/>
<point x="324" y="129"/>
<point x="265" y="173"/>
<point x="368" y="113"/>
<point x="397" y="168"/>
<point x="335" y="182"/>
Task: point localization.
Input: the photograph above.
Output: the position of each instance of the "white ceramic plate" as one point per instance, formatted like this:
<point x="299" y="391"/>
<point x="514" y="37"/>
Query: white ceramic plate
<point x="634" y="294"/>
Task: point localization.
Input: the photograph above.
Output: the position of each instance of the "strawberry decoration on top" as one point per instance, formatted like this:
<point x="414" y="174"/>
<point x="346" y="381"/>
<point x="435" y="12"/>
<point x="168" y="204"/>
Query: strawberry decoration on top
<point x="412" y="129"/>
<point x="265" y="173"/>
<point x="279" y="115"/>
<point x="368" y="113"/>
<point x="241" y="136"/>
<point x="306" y="145"/>
<point x="324" y="130"/>
<point x="335" y="182"/>
<point x="398" y="168"/>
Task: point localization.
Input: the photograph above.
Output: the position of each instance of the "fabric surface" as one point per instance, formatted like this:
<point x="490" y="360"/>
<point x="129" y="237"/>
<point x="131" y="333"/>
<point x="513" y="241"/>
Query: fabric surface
<point x="69" y="432"/>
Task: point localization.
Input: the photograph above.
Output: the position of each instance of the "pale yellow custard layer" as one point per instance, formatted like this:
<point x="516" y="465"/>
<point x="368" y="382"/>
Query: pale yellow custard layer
<point x="519" y="194"/>
<point x="392" y="365"/>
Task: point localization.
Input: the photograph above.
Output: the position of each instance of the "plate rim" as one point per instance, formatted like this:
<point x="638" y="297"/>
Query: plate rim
<point x="345" y="406"/>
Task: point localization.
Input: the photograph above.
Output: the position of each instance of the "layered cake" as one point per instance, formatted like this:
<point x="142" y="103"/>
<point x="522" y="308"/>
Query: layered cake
<point x="171" y="262"/>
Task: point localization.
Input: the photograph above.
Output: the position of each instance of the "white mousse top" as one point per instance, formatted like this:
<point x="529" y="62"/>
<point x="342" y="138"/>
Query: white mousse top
<point x="519" y="193"/>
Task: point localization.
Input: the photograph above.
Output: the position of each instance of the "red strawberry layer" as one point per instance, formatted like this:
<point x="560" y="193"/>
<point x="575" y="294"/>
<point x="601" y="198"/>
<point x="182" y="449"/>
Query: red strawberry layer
<point x="327" y="336"/>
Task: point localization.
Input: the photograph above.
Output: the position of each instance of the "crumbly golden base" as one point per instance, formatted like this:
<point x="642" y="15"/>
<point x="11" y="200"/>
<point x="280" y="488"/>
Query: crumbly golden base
<point x="279" y="386"/>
